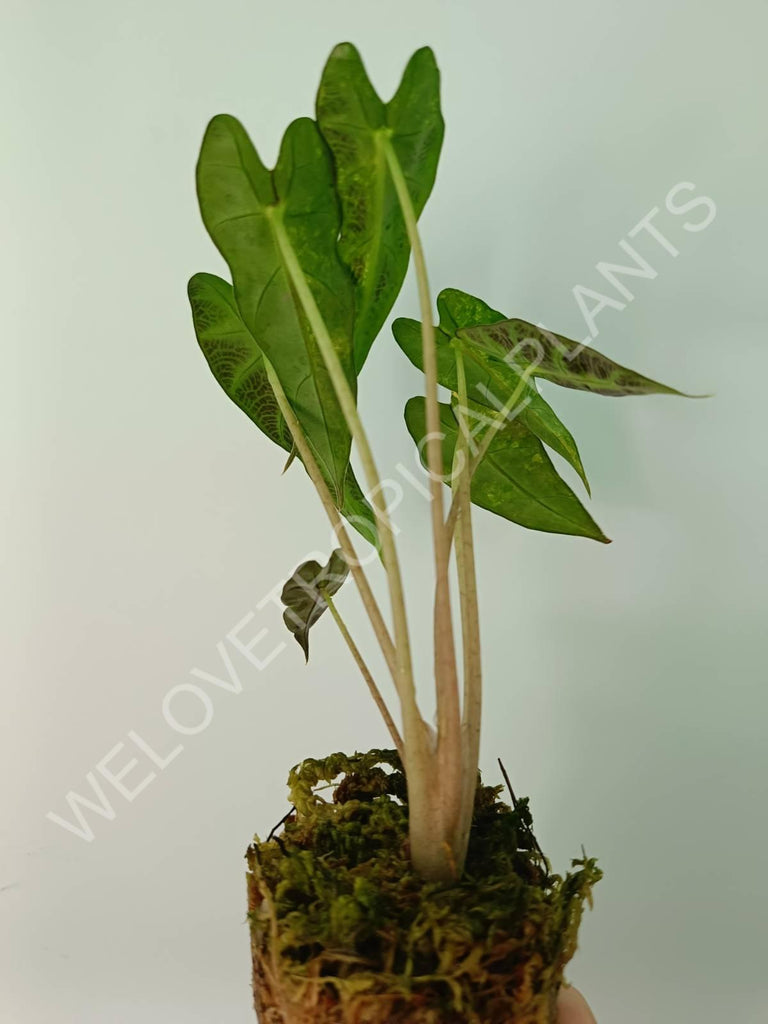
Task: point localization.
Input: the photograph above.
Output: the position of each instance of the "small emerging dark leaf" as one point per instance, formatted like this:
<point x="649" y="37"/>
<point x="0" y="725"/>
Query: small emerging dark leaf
<point x="303" y="595"/>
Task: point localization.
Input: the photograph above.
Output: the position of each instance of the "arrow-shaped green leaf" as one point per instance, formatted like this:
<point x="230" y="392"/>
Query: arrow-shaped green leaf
<point x="558" y="359"/>
<point x="304" y="595"/>
<point x="355" y="122"/>
<point x="516" y="478"/>
<point x="235" y="359"/>
<point x="256" y="217"/>
<point x="237" y="363"/>
<point x="490" y="382"/>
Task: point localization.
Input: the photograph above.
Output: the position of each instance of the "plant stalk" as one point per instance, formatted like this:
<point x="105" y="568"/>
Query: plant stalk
<point x="348" y="405"/>
<point x="470" y="618"/>
<point x="366" y="674"/>
<point x="345" y="542"/>
<point x="425" y="807"/>
<point x="495" y="425"/>
<point x="449" y="745"/>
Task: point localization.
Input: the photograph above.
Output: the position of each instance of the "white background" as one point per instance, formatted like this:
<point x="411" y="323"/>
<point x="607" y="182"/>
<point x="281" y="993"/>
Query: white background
<point x="144" y="516"/>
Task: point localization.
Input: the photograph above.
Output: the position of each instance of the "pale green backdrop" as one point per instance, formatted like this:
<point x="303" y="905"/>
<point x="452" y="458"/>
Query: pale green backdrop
<point x="144" y="517"/>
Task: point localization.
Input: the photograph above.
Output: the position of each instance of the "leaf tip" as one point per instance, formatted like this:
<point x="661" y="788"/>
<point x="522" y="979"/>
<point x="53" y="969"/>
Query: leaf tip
<point x="289" y="460"/>
<point x="578" y="465"/>
<point x="222" y="122"/>
<point x="422" y="67"/>
<point x="302" y="639"/>
<point x="344" y="51"/>
<point x="425" y="54"/>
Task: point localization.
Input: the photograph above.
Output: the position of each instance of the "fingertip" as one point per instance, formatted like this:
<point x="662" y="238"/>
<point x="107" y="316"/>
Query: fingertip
<point x="572" y="1008"/>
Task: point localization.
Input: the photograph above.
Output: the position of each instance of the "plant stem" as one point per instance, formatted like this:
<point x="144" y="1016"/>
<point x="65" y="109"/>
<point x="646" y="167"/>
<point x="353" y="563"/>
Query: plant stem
<point x="423" y="798"/>
<point x="313" y="470"/>
<point x="348" y="405"/>
<point x="449" y="753"/>
<point x="365" y="671"/>
<point x="470" y="619"/>
<point x="494" y="426"/>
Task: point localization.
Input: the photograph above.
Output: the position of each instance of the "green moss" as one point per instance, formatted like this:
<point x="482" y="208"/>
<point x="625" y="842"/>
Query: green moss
<point x="343" y="930"/>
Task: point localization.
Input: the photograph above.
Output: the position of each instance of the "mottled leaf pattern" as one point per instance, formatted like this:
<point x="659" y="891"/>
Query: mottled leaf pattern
<point x="489" y="382"/>
<point x="516" y="479"/>
<point x="235" y="359"/>
<point x="237" y="363"/>
<point x="519" y="344"/>
<point x="303" y="595"/>
<point x="248" y="210"/>
<point x="459" y="309"/>
<point x="354" y="121"/>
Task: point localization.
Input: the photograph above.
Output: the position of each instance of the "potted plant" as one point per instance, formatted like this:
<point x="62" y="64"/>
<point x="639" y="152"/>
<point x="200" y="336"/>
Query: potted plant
<point x="399" y="887"/>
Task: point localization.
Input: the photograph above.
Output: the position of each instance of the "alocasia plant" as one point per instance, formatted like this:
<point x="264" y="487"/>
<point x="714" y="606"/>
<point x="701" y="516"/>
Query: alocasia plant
<point x="318" y="249"/>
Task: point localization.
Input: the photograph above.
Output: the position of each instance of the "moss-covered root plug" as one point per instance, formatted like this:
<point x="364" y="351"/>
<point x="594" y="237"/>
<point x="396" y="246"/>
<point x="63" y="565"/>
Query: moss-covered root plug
<point x="344" y="932"/>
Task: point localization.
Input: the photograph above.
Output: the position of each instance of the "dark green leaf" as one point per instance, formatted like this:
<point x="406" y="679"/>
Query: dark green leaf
<point x="489" y="382"/>
<point x="516" y="478"/>
<point x="303" y="595"/>
<point x="459" y="309"/>
<point x="235" y="359"/>
<point x="250" y="213"/>
<point x="355" y="123"/>
<point x="237" y="363"/>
